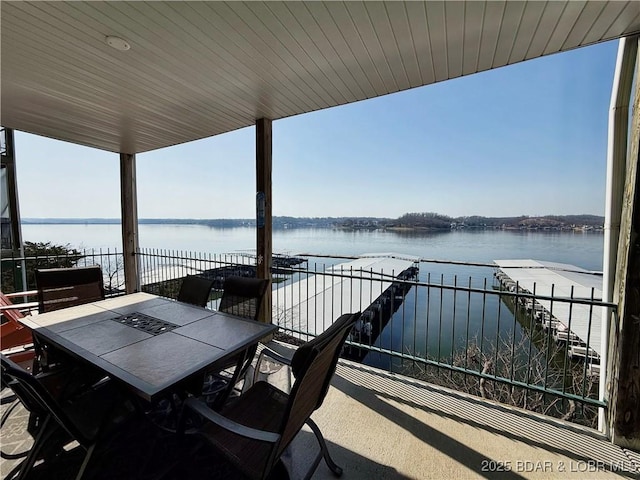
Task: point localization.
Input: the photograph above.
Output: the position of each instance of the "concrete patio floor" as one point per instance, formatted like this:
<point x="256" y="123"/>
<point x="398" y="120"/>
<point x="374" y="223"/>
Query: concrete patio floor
<point x="384" y="426"/>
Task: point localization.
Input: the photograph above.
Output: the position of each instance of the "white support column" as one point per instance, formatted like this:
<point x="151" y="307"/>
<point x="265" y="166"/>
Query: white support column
<point x="616" y="172"/>
<point x="129" y="205"/>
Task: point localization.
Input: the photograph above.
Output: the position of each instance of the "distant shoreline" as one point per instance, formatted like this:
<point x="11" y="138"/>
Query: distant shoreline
<point x="348" y="224"/>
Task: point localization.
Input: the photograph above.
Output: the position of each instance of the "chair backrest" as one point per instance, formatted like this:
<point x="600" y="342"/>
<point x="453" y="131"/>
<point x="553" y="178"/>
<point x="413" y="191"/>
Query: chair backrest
<point x="65" y="287"/>
<point x="195" y="290"/>
<point x="315" y="367"/>
<point x="243" y="296"/>
<point x="36" y="398"/>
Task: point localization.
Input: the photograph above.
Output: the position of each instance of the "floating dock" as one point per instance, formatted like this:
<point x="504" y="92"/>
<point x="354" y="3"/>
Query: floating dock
<point x="170" y="267"/>
<point x="578" y="325"/>
<point x="365" y="285"/>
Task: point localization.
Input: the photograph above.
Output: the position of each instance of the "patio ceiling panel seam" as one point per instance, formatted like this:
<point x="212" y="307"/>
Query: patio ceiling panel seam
<point x="370" y="43"/>
<point x="325" y="49"/>
<point x="584" y="23"/>
<point x="603" y="24"/>
<point x="546" y="26"/>
<point x="246" y="61"/>
<point x="55" y="132"/>
<point x="228" y="76"/>
<point x="237" y="70"/>
<point x="269" y="44"/>
<point x="522" y="44"/>
<point x="291" y="44"/>
<point x="472" y="36"/>
<point x="352" y="36"/>
<point x="383" y="38"/>
<point x="529" y="23"/>
<point x="246" y="36"/>
<point x="87" y="89"/>
<point x="341" y="46"/>
<point x="491" y="29"/>
<point x="417" y="14"/>
<point x="570" y="14"/>
<point x="631" y="6"/>
<point x="406" y="17"/>
<point x="404" y="44"/>
<point x="229" y="109"/>
<point x="88" y="51"/>
<point x="455" y="33"/>
<point x="436" y="25"/>
<point x="300" y="34"/>
<point x="509" y="28"/>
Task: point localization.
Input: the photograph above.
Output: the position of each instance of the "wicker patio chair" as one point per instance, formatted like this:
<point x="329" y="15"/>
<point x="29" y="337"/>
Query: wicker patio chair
<point x="66" y="287"/>
<point x="254" y="431"/>
<point x="195" y="290"/>
<point x="56" y="419"/>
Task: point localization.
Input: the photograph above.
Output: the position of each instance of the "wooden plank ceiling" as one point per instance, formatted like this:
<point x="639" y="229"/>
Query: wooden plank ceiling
<point x="197" y="69"/>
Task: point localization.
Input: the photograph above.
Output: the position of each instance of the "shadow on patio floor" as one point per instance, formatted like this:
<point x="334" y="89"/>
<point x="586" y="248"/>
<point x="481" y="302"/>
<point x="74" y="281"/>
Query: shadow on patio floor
<point x="141" y="451"/>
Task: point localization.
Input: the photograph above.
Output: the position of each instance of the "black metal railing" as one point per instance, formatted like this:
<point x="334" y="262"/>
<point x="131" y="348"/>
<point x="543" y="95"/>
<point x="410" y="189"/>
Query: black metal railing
<point x="465" y="326"/>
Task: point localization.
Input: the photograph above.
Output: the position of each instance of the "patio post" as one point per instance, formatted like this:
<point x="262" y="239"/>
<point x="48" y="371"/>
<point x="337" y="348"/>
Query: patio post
<point x="129" y="205"/>
<point x="616" y="172"/>
<point x="623" y="367"/>
<point x="263" y="210"/>
<point x="12" y="234"/>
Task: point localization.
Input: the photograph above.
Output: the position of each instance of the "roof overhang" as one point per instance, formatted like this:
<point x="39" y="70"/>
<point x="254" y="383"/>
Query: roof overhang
<point x="197" y="69"/>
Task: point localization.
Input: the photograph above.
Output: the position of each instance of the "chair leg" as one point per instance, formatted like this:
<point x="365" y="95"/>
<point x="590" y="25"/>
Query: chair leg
<point x="27" y="464"/>
<point x="324" y="451"/>
<point x="239" y="370"/>
<point x="85" y="461"/>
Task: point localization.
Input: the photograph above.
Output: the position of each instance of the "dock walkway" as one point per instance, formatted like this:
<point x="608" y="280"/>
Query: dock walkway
<point x="576" y="323"/>
<point x="313" y="303"/>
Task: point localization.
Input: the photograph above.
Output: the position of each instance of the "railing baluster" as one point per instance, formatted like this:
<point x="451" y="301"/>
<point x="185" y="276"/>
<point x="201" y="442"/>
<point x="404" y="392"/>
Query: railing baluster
<point x="485" y="310"/>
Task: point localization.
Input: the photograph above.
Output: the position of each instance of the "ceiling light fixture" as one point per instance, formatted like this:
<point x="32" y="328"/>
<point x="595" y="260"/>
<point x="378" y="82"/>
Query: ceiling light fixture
<point x="117" y="43"/>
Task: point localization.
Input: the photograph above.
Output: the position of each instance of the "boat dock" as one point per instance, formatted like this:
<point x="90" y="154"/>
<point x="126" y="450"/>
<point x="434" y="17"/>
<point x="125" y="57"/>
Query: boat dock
<point x="217" y="267"/>
<point x="577" y="325"/>
<point x="366" y="284"/>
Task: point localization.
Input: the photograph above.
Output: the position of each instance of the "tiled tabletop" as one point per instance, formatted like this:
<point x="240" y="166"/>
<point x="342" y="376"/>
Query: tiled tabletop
<point x="149" y="363"/>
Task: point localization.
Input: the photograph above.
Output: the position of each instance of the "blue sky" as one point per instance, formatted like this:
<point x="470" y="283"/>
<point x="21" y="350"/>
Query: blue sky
<point x="527" y="139"/>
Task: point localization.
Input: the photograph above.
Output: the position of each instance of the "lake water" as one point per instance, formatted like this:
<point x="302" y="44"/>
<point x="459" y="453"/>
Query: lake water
<point x="435" y="335"/>
<point x="577" y="248"/>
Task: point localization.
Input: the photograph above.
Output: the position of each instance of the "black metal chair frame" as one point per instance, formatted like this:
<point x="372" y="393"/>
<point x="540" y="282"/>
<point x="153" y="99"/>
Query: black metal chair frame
<point x="244" y="297"/>
<point x="66" y="287"/>
<point x="61" y="288"/>
<point x="233" y="434"/>
<point x="195" y="290"/>
<point x="52" y="426"/>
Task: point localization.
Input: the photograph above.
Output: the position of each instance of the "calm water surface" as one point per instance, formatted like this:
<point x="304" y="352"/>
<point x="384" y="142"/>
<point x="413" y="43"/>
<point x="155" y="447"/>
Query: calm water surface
<point x="426" y="323"/>
<point x="581" y="249"/>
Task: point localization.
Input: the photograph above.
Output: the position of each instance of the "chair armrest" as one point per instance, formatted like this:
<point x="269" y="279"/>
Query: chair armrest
<point x="202" y="409"/>
<point x="266" y="351"/>
<point x="28" y="293"/>
<point x="19" y="306"/>
<point x="280" y="352"/>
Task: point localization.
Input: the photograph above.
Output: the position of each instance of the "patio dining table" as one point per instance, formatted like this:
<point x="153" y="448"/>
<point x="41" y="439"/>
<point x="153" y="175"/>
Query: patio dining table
<point x="149" y="343"/>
